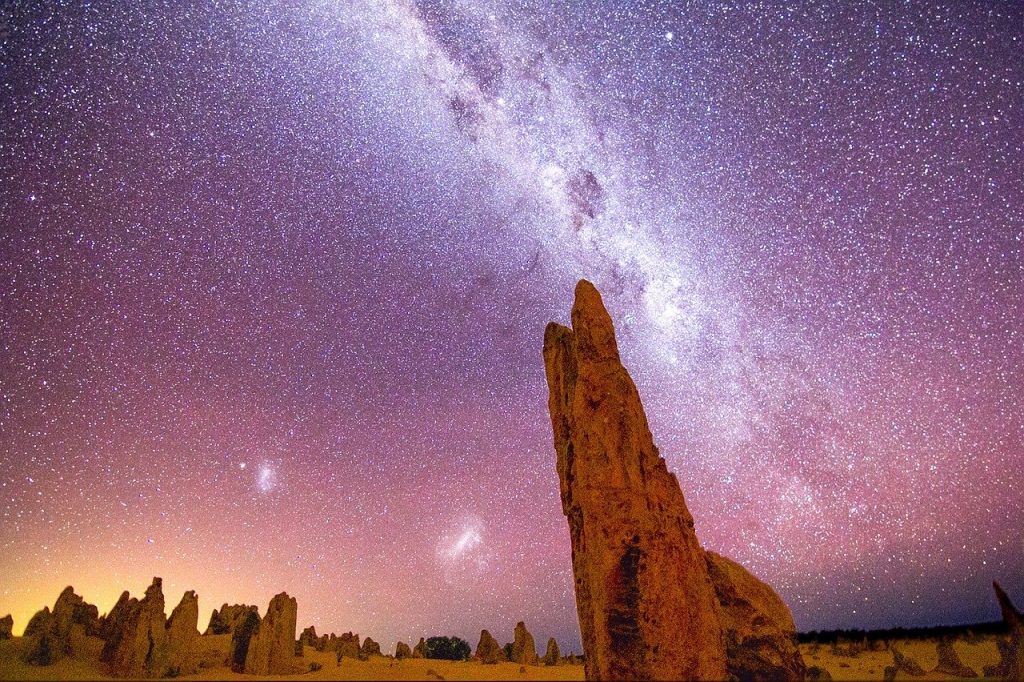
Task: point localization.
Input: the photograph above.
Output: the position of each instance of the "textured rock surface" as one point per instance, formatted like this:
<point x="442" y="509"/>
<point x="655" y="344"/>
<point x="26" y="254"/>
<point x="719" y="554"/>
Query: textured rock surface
<point x="6" y="627"/>
<point x="1011" y="650"/>
<point x="113" y="621"/>
<point x="137" y="646"/>
<point x="309" y="638"/>
<point x="902" y="663"/>
<point x="347" y="645"/>
<point x="369" y="648"/>
<point x="523" y="648"/>
<point x="48" y="635"/>
<point x="39" y="621"/>
<point x="242" y="633"/>
<point x="420" y="650"/>
<point x="41" y="646"/>
<point x="646" y="605"/>
<point x="950" y="663"/>
<point x="271" y="650"/>
<point x="488" y="650"/>
<point x="552" y="654"/>
<point x="182" y="636"/>
<point x="225" y="620"/>
<point x="402" y="650"/>
<point x="760" y="637"/>
<point x="217" y="625"/>
<point x="71" y="609"/>
<point x="1001" y="670"/>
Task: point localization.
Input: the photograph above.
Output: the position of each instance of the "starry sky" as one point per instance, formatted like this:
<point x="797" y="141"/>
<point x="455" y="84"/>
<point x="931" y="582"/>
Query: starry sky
<point x="274" y="278"/>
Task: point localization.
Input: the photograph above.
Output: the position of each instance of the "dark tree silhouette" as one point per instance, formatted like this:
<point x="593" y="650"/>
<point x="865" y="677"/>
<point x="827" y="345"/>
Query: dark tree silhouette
<point x="448" y="648"/>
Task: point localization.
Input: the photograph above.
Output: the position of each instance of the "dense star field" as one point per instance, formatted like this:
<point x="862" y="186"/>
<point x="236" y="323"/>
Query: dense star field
<point x="275" y="278"/>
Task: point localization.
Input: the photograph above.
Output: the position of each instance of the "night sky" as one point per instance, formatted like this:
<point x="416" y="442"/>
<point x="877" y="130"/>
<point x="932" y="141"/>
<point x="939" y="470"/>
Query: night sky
<point x="274" y="279"/>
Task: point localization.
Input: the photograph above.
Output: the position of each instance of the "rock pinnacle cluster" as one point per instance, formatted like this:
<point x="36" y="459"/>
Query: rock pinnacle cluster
<point x="140" y="641"/>
<point x="652" y="604"/>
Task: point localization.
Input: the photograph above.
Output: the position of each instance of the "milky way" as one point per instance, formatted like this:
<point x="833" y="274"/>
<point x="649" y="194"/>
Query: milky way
<point x="275" y="279"/>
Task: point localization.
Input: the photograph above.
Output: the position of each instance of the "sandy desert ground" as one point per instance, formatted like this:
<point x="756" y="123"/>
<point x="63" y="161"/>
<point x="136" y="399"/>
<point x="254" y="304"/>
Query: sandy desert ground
<point x="85" y="666"/>
<point x="870" y="665"/>
<point x="867" y="665"/>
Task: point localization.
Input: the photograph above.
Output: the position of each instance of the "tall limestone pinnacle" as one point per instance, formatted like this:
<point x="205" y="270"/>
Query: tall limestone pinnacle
<point x="646" y="603"/>
<point x="271" y="649"/>
<point x="652" y="603"/>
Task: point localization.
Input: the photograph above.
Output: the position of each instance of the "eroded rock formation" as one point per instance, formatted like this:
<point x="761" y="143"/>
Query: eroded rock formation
<point x="949" y="662"/>
<point x="369" y="648"/>
<point x="41" y="646"/>
<point x="552" y="654"/>
<point x="309" y="638"/>
<point x="760" y="636"/>
<point x="225" y="620"/>
<point x="646" y="605"/>
<point x="402" y="650"/>
<point x="901" y="663"/>
<point x="651" y="603"/>
<point x="137" y="645"/>
<point x="523" y="648"/>
<point x="420" y="650"/>
<point x="346" y="645"/>
<point x="1011" y="649"/>
<point x="488" y="650"/>
<point x="242" y="633"/>
<point x="49" y="634"/>
<point x="71" y="610"/>
<point x="271" y="650"/>
<point x="182" y="636"/>
<point x="6" y="627"/>
<point x="113" y="621"/>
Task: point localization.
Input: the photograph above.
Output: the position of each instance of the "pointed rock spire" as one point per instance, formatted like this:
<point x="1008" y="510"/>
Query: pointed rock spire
<point x="646" y="604"/>
<point x="552" y="655"/>
<point x="524" y="650"/>
<point x="49" y="635"/>
<point x="1011" y="650"/>
<point x="137" y="643"/>
<point x="271" y="650"/>
<point x="183" y="636"/>
<point x="488" y="650"/>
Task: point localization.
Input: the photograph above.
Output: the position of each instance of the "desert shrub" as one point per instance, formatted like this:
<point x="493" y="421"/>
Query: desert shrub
<point x="448" y="648"/>
<point x="314" y="666"/>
